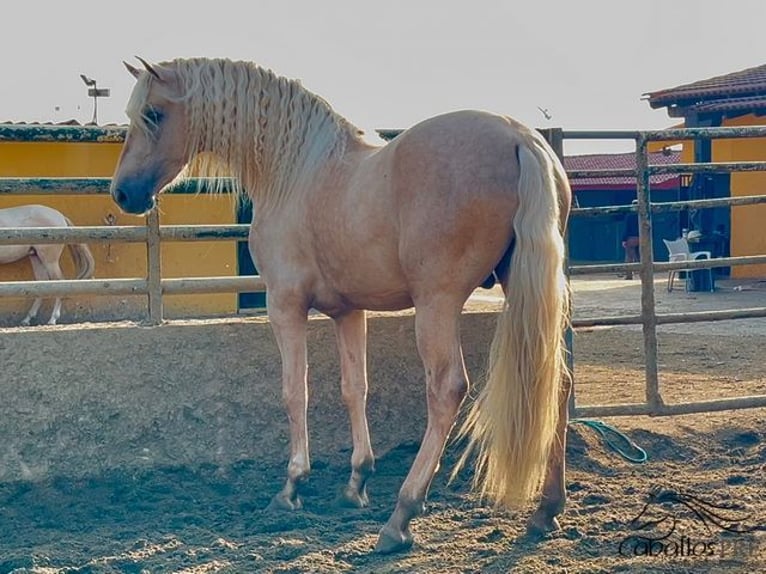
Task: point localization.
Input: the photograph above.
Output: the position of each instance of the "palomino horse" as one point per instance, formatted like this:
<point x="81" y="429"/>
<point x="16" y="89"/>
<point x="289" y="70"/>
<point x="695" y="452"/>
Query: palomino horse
<point x="342" y="226"/>
<point x="44" y="257"/>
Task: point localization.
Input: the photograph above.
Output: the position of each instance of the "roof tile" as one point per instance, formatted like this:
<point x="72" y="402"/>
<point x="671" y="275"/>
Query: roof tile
<point x="740" y="91"/>
<point x="615" y="161"/>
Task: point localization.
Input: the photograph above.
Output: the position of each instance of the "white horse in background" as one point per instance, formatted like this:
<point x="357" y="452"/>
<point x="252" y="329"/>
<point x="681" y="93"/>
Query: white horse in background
<point x="44" y="257"/>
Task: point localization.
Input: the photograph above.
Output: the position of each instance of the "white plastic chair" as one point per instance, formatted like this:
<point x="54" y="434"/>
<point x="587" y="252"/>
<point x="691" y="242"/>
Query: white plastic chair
<point x="678" y="250"/>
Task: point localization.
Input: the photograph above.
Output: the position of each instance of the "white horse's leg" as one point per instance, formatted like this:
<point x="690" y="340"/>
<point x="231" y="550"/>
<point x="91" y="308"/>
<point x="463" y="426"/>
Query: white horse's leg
<point x="438" y="338"/>
<point x="54" y="271"/>
<point x="351" y="331"/>
<point x="49" y="257"/>
<point x="33" y="310"/>
<point x="40" y="275"/>
<point x="289" y="325"/>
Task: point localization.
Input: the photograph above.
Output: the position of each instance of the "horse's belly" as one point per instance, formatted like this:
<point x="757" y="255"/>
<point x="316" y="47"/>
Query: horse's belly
<point x="11" y="253"/>
<point x="333" y="303"/>
<point x="393" y="301"/>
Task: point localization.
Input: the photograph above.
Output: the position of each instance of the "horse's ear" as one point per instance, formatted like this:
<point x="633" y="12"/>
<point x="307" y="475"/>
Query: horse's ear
<point x="148" y="67"/>
<point x="132" y="69"/>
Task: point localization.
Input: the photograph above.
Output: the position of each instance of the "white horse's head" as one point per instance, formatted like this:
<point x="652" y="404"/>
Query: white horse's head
<point x="154" y="152"/>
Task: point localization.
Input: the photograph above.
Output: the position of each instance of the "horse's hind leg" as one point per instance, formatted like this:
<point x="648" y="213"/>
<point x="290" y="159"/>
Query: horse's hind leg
<point x="40" y="275"/>
<point x="49" y="257"/>
<point x="289" y="325"/>
<point x="351" y="330"/>
<point x="438" y="338"/>
<point x="554" y="493"/>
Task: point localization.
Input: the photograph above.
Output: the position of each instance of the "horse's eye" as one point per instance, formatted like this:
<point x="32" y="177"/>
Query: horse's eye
<point x="153" y="117"/>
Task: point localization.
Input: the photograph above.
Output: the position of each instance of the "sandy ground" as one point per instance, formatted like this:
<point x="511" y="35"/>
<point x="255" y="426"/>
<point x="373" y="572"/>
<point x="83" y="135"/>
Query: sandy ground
<point x="211" y="519"/>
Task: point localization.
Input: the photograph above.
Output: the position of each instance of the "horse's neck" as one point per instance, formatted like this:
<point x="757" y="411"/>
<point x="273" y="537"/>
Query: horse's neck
<point x="291" y="169"/>
<point x="286" y="138"/>
<point x="328" y="184"/>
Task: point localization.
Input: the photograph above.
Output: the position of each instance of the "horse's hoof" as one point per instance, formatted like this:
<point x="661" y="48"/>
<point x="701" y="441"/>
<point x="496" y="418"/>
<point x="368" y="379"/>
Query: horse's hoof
<point x="26" y="322"/>
<point x="281" y="503"/>
<point x="390" y="541"/>
<point x="538" y="528"/>
<point x="352" y="498"/>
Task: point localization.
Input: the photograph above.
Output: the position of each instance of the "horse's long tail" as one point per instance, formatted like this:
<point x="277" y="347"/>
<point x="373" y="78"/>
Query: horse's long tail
<point x="83" y="258"/>
<point x="512" y="424"/>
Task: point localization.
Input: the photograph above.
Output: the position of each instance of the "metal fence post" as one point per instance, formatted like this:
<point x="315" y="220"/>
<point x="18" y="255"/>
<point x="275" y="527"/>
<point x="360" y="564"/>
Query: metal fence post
<point x="646" y="251"/>
<point x="555" y="137"/>
<point x="154" y="266"/>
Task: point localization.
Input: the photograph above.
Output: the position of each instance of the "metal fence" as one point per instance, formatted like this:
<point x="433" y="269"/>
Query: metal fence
<point x="152" y="234"/>
<point x="649" y="318"/>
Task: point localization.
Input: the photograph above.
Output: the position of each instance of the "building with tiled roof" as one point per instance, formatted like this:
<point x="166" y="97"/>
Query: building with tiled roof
<point x="615" y="161"/>
<point x="730" y="95"/>
<point x="599" y="238"/>
<point x="729" y="100"/>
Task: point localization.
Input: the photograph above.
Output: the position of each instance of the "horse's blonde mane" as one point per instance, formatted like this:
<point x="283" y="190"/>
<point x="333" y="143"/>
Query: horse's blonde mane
<point x="244" y="121"/>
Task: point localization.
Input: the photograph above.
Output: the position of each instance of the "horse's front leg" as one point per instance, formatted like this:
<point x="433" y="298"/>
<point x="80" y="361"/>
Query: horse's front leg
<point x="438" y="341"/>
<point x="554" y="493"/>
<point x="351" y="331"/>
<point x="56" y="312"/>
<point x="288" y="322"/>
<point x="40" y="275"/>
<point x="33" y="310"/>
<point x="54" y="272"/>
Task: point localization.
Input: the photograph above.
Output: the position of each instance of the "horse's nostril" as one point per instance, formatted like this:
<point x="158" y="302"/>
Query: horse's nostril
<point x="120" y="196"/>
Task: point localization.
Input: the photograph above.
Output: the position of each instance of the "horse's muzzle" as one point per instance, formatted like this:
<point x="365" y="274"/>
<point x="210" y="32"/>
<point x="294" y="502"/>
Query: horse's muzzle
<point x="136" y="200"/>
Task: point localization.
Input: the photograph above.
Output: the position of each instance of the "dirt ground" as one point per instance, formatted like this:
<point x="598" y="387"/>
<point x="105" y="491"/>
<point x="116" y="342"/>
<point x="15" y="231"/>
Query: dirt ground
<point x="210" y="519"/>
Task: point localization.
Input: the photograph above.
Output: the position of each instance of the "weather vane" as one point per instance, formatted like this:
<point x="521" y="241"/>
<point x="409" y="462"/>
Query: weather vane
<point x="95" y="92"/>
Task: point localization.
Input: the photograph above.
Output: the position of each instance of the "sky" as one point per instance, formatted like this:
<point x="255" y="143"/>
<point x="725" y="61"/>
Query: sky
<point x="390" y="64"/>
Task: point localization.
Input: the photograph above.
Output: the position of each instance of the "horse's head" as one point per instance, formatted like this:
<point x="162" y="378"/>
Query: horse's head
<point x="154" y="152"/>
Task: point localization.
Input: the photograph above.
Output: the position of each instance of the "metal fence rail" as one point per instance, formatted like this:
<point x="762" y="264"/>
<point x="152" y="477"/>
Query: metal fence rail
<point x="152" y="234"/>
<point x="154" y="286"/>
<point x="122" y="233"/>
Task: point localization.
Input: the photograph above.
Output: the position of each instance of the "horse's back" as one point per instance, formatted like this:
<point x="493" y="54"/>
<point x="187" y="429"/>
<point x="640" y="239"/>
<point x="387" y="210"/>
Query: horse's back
<point x="26" y="216"/>
<point x="468" y="131"/>
<point x="432" y="211"/>
<point x="33" y="215"/>
<point x="464" y="153"/>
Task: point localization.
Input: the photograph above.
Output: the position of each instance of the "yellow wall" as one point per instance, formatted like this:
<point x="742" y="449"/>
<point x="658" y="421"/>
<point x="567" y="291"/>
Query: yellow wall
<point x="747" y="222"/>
<point x="179" y="259"/>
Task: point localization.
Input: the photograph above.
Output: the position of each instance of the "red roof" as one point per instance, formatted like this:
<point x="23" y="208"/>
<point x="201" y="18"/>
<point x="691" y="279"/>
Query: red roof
<point x="751" y="104"/>
<point x="743" y="92"/>
<point x="614" y="161"/>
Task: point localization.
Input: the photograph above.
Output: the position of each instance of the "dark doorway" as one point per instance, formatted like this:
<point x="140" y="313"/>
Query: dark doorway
<point x="245" y="261"/>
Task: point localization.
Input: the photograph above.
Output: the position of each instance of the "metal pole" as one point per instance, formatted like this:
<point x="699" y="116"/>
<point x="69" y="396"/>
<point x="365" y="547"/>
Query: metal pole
<point x="95" y="103"/>
<point x="555" y="137"/>
<point x="154" y="266"/>
<point x="648" y="311"/>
